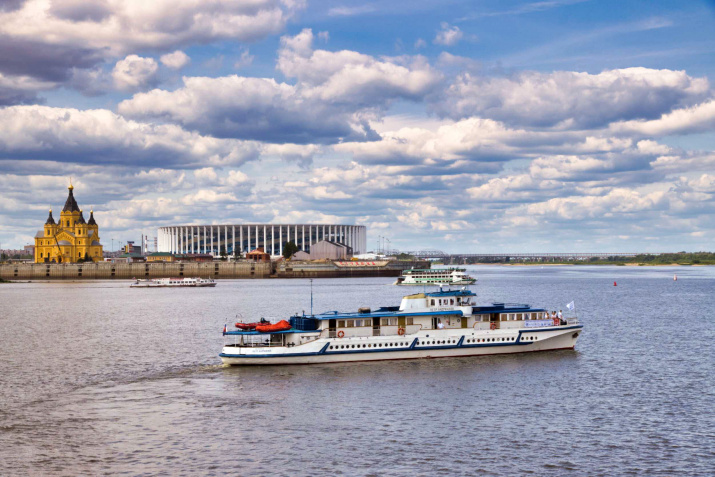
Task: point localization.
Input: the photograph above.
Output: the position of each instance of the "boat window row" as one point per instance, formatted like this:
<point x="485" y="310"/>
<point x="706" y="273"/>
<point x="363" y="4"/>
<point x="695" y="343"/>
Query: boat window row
<point x="448" y="301"/>
<point x="393" y="321"/>
<point x="369" y="345"/>
<point x="523" y="316"/>
<point x="368" y="322"/>
<point x="432" y="342"/>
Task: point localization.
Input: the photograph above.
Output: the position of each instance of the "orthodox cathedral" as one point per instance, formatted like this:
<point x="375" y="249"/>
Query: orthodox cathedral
<point x="71" y="239"/>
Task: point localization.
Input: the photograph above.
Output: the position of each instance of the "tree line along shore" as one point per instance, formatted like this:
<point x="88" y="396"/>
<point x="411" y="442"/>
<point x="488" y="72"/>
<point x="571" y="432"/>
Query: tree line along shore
<point x="680" y="258"/>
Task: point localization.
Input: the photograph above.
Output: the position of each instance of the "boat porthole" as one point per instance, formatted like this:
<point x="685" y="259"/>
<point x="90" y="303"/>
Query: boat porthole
<point x="575" y="335"/>
<point x="331" y="347"/>
<point x="364" y="346"/>
<point x="370" y="345"/>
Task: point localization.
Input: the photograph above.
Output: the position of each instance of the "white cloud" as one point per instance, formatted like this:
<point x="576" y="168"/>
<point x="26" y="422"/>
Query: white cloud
<point x="694" y="119"/>
<point x="175" y="60"/>
<point x="350" y="11"/>
<point x="21" y="89"/>
<point x="50" y="40"/>
<point x="420" y="43"/>
<point x="121" y="26"/>
<point x="448" y="36"/>
<point x="567" y="99"/>
<point x="615" y="202"/>
<point x="208" y="196"/>
<point x="335" y="97"/>
<point x="134" y="73"/>
<point x="102" y="137"/>
<point x="350" y="77"/>
<point x="245" y="60"/>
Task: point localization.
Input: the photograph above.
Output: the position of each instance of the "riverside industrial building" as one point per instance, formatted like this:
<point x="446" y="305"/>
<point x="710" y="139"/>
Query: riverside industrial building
<point x="213" y="239"/>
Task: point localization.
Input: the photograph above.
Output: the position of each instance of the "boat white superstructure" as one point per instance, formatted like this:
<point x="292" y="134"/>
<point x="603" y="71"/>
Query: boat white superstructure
<point x="425" y="325"/>
<point x="174" y="282"/>
<point x="435" y="276"/>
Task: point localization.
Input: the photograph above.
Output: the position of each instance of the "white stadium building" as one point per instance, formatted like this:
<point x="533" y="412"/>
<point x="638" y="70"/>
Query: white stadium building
<point x="246" y="237"/>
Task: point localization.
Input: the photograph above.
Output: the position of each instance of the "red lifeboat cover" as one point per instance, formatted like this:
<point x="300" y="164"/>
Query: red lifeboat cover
<point x="282" y="325"/>
<point x="249" y="326"/>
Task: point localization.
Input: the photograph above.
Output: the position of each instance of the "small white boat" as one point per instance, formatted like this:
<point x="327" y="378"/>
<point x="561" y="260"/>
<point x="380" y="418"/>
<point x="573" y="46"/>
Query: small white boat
<point x="435" y="276"/>
<point x="425" y="325"/>
<point x="174" y="282"/>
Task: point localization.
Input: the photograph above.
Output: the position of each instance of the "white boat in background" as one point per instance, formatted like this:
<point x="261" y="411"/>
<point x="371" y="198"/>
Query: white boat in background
<point x="425" y="325"/>
<point x="174" y="282"/>
<point x="435" y="276"/>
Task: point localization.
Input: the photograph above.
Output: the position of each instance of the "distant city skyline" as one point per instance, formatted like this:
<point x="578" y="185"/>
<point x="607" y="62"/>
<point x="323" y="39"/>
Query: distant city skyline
<point x="462" y="126"/>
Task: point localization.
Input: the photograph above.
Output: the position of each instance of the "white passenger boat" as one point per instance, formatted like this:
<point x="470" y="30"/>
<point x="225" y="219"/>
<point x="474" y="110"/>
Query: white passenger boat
<point x="435" y="276"/>
<point x="425" y="325"/>
<point x="174" y="282"/>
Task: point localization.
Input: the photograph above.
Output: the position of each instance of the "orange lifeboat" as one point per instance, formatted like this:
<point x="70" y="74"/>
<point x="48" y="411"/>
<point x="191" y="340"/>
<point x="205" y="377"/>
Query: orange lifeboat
<point x="251" y="326"/>
<point x="282" y="325"/>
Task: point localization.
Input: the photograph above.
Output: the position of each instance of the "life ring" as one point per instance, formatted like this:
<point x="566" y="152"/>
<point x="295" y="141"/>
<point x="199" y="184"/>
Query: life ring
<point x="557" y="322"/>
<point x="341" y="333"/>
<point x="400" y="331"/>
<point x="493" y="325"/>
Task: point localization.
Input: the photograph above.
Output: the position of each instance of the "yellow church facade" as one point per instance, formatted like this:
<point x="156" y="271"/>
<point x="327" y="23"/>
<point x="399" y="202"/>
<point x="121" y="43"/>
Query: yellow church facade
<point x="71" y="239"/>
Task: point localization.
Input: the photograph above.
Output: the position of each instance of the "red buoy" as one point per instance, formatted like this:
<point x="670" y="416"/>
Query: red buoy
<point x="615" y="284"/>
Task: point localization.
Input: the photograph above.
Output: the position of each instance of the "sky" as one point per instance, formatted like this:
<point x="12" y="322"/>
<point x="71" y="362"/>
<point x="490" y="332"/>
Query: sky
<point x="462" y="126"/>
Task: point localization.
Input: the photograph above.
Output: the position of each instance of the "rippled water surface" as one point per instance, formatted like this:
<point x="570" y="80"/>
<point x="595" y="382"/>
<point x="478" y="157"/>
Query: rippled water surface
<point x="97" y="379"/>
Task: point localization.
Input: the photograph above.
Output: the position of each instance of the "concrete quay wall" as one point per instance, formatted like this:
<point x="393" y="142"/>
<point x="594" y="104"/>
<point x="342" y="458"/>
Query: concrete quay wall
<point x="108" y="271"/>
<point x="216" y="270"/>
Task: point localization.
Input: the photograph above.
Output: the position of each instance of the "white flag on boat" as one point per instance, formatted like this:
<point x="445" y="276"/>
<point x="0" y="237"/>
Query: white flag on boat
<point x="571" y="306"/>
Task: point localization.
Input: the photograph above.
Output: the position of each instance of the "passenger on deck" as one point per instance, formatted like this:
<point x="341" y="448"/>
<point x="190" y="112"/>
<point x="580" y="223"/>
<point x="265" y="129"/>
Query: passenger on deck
<point x="440" y="325"/>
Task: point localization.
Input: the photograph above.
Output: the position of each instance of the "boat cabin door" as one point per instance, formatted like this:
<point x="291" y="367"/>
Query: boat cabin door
<point x="401" y="323"/>
<point x="331" y="328"/>
<point x="494" y="321"/>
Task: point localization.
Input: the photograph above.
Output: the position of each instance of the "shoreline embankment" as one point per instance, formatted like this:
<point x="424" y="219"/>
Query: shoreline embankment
<point x="215" y="270"/>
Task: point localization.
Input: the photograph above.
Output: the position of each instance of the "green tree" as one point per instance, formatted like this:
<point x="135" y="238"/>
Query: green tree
<point x="223" y="253"/>
<point x="236" y="254"/>
<point x="289" y="248"/>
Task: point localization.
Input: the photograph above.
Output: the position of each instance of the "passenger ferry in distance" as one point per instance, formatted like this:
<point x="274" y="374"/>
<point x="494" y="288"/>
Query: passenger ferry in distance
<point x="425" y="325"/>
<point x="173" y="282"/>
<point x="435" y="276"/>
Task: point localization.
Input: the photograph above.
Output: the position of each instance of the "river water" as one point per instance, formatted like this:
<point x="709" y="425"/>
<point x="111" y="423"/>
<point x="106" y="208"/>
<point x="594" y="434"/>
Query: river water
<point x="99" y="379"/>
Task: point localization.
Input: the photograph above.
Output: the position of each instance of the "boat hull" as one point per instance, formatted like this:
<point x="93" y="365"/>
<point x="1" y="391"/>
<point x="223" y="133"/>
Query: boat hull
<point x="141" y="285"/>
<point x="419" y="284"/>
<point x="415" y="347"/>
